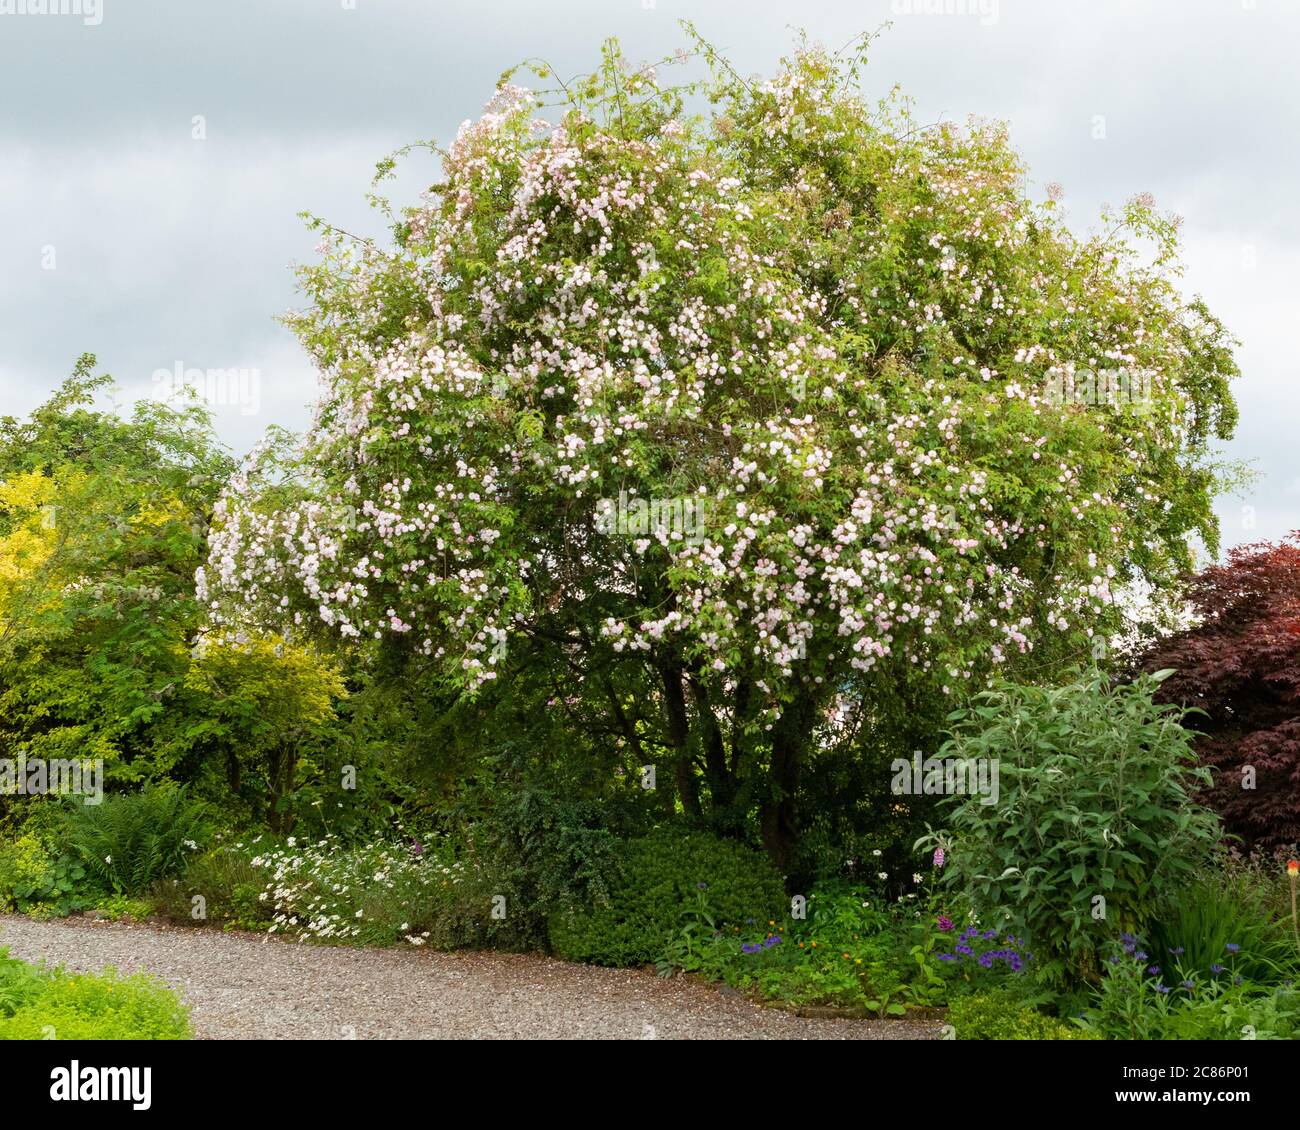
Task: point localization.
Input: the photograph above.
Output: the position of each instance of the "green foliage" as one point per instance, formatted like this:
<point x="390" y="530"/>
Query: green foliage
<point x="24" y="867"/>
<point x="130" y="840"/>
<point x="997" y="1016"/>
<point x="225" y="881"/>
<point x="1227" y="905"/>
<point x="843" y="955"/>
<point x="1148" y="995"/>
<point x="1094" y="804"/>
<point x="117" y="907"/>
<point x="661" y="879"/>
<point x="41" y="1004"/>
<point x="103" y="522"/>
<point x="251" y="703"/>
<point x="19" y="982"/>
<point x="853" y="948"/>
<point x="33" y="879"/>
<point x="545" y="853"/>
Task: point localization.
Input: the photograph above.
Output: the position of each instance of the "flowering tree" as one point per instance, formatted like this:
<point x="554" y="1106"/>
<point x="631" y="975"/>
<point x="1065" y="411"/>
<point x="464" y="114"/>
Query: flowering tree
<point x="729" y="426"/>
<point x="1240" y="666"/>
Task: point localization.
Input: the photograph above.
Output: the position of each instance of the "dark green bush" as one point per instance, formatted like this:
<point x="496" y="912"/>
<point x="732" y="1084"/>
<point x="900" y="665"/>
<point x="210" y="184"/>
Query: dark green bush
<point x="545" y="854"/>
<point x="997" y="1016"/>
<point x="661" y="879"/>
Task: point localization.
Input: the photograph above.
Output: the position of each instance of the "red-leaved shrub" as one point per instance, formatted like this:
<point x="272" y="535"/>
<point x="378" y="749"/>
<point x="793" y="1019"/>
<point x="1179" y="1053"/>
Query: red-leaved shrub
<point x="1241" y="665"/>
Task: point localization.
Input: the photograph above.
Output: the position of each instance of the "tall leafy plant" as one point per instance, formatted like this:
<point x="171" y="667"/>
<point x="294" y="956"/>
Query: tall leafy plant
<point x="1093" y="822"/>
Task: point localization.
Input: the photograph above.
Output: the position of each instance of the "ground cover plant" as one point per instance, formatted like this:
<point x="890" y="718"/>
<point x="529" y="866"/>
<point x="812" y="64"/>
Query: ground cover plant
<point x="43" y="1004"/>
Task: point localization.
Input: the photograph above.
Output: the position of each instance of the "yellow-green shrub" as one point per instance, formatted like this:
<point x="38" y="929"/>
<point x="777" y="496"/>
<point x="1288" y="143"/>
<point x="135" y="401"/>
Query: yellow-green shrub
<point x="42" y="1004"/>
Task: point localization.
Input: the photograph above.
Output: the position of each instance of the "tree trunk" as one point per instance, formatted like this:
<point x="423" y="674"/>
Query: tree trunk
<point x="722" y="784"/>
<point x="688" y="788"/>
<point x="790" y="735"/>
<point x="280" y="784"/>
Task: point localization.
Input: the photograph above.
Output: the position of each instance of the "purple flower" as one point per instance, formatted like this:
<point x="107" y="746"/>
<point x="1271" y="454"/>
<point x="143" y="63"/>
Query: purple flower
<point x="1140" y="955"/>
<point x="1238" y="980"/>
<point x="1232" y="947"/>
<point x="963" y="949"/>
<point x="701" y="886"/>
<point x="1216" y="968"/>
<point x="945" y="957"/>
<point x="986" y="960"/>
<point x="1175" y="950"/>
<point x="944" y="922"/>
<point x="1154" y="970"/>
<point x="989" y="934"/>
<point x="750" y="947"/>
<point x="1128" y="939"/>
<point x="1189" y="984"/>
<point x="1161" y="989"/>
<point x="772" y="940"/>
<point x="938" y="857"/>
<point x="416" y="848"/>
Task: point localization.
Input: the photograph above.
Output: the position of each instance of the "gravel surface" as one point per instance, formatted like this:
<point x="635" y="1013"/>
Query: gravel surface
<point x="243" y="986"/>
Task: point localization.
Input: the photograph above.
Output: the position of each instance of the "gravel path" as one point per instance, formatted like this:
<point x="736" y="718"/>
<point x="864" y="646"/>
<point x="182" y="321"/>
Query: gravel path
<point x="243" y="986"/>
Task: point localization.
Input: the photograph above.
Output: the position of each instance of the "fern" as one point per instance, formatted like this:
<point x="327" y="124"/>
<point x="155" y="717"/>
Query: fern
<point x="129" y="841"/>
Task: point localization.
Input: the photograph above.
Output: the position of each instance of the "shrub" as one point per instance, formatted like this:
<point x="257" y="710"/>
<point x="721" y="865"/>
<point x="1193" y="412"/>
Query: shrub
<point x="544" y="854"/>
<point x="41" y="1004"/>
<point x="994" y="1016"/>
<point x="1240" y="667"/>
<point x="1093" y="814"/>
<point x="660" y="880"/>
<point x="853" y="402"/>
<point x="129" y="841"/>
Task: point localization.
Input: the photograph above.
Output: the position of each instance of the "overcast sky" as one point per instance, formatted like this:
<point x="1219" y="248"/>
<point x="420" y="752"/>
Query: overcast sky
<point x="125" y="235"/>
